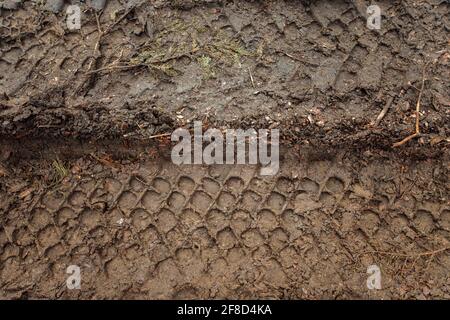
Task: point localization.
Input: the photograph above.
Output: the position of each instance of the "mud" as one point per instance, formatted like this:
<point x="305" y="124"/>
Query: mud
<point x="84" y="181"/>
<point x="296" y="65"/>
<point x="145" y="228"/>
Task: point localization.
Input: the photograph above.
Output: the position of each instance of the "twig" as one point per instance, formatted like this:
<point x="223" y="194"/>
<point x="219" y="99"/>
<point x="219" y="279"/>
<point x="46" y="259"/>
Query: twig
<point x="105" y="162"/>
<point x="121" y="18"/>
<point x="112" y="67"/>
<point x="398" y="144"/>
<point x="97" y="44"/>
<point x="417" y="133"/>
<point x="383" y="112"/>
<point x="298" y="59"/>
<point x="403" y="255"/>
<point x="151" y="137"/>
<point x="97" y="53"/>
<point x="251" y="77"/>
<point x="160" y="135"/>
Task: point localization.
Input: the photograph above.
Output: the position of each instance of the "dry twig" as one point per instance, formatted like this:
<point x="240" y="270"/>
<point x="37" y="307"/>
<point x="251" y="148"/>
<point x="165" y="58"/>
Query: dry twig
<point x="383" y="112"/>
<point x="417" y="133"/>
<point x="418" y="255"/>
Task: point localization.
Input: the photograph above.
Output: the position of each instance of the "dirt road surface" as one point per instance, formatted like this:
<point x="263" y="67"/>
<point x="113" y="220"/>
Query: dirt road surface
<point x="85" y="182"/>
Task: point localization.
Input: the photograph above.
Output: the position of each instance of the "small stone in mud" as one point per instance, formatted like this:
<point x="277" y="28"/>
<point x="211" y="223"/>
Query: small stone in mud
<point x="54" y="5"/>
<point x="10" y="4"/>
<point x="97" y="4"/>
<point x="6" y="124"/>
<point x="5" y="153"/>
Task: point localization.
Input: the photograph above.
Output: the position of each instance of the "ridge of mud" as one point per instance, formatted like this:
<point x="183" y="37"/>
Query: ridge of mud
<point x="310" y="68"/>
<point x="142" y="130"/>
<point x="151" y="229"/>
<point x="40" y="119"/>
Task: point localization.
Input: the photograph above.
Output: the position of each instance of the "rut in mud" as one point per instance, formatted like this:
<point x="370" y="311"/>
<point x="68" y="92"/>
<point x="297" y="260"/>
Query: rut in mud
<point x="84" y="182"/>
<point x="150" y="229"/>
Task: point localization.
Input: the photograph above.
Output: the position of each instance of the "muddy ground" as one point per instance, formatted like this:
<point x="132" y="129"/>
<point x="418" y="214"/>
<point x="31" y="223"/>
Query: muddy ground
<point x="84" y="181"/>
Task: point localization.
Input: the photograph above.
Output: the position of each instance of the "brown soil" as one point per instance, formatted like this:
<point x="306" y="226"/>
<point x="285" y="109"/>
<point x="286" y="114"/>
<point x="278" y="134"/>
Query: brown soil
<point x="83" y="182"/>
